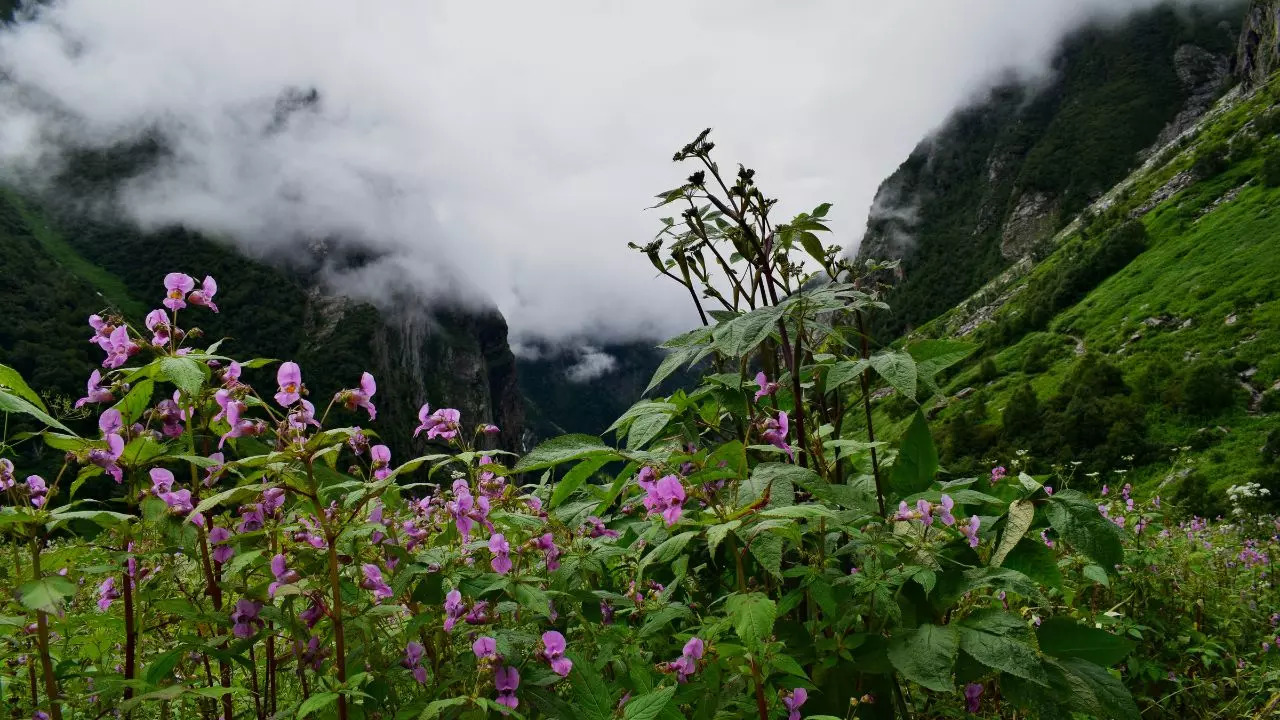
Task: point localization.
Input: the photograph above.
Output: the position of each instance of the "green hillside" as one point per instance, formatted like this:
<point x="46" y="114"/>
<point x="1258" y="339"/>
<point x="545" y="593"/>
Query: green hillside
<point x="1149" y="336"/>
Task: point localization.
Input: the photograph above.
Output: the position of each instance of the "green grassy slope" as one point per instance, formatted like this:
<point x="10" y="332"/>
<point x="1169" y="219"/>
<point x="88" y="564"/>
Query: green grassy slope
<point x="1192" y="323"/>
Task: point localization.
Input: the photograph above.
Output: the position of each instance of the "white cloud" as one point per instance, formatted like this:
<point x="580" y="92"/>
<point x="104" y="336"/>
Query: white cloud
<point x="505" y="150"/>
<point x="591" y="364"/>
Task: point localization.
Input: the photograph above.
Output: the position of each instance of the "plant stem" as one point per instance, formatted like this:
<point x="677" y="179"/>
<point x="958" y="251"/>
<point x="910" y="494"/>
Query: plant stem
<point x="335" y="587"/>
<point x="866" y="404"/>
<point x="42" y="638"/>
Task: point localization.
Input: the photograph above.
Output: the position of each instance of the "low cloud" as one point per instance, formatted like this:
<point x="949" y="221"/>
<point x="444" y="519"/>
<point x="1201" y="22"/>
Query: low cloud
<point x="591" y="364"/>
<point x="499" y="153"/>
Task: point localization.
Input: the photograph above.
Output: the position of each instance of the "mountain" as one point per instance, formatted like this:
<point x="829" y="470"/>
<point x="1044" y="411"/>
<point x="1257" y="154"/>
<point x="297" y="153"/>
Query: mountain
<point x="63" y="264"/>
<point x="1001" y="176"/>
<point x="1134" y="325"/>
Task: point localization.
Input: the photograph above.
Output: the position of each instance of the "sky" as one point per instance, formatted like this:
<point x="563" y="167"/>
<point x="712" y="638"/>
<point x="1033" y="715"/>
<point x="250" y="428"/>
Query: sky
<point x="503" y="152"/>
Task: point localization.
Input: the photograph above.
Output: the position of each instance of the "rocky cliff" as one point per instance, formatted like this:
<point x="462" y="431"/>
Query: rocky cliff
<point x="1258" y="54"/>
<point x="998" y="180"/>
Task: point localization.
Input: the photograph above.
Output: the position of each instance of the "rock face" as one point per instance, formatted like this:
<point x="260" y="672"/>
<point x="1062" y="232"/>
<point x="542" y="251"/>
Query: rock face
<point x="998" y="181"/>
<point x="1259" y="50"/>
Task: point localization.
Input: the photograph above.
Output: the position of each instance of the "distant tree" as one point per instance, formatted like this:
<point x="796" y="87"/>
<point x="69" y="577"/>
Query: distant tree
<point x="1021" y="416"/>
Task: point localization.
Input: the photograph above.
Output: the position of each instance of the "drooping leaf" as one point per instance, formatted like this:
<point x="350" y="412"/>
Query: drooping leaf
<point x="591" y="698"/>
<point x="316" y="702"/>
<point x="917" y="461"/>
<point x="844" y="371"/>
<point x="645" y="428"/>
<point x="1002" y="641"/>
<point x="926" y="655"/>
<point x="668" y="549"/>
<point x="717" y="533"/>
<point x="12" y="381"/>
<point x="672" y="362"/>
<point x="1032" y="558"/>
<point x="1017" y="521"/>
<point x="564" y="449"/>
<point x="1077" y="521"/>
<point x="1064" y="638"/>
<point x="740" y="335"/>
<point x="15" y="404"/>
<point x="574" y="479"/>
<point x="1106" y="696"/>
<point x="898" y="369"/>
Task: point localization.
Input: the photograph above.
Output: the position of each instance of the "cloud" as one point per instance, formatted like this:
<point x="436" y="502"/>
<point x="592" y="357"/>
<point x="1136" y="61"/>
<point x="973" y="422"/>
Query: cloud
<point x="591" y="364"/>
<point x="502" y="152"/>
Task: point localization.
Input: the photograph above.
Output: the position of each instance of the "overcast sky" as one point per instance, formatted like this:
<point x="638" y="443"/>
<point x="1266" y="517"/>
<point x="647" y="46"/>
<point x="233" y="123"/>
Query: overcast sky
<point x="506" y="150"/>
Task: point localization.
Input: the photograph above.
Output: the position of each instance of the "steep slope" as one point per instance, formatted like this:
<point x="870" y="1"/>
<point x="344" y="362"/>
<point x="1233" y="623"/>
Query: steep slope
<point x="67" y="265"/>
<point x="1002" y="176"/>
<point x="1146" y="341"/>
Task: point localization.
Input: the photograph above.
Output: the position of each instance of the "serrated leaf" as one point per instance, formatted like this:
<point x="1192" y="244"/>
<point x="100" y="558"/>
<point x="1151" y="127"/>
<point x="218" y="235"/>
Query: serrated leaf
<point x="717" y="533"/>
<point x="650" y="705"/>
<point x="1096" y="574"/>
<point x="672" y="362"/>
<point x="1109" y="697"/>
<point x="564" y="449"/>
<point x="1032" y="558"/>
<point x="645" y="428"/>
<point x="1077" y="521"/>
<point x="435" y="707"/>
<point x="926" y="655"/>
<point x="842" y="372"/>
<point x="767" y="550"/>
<point x="668" y="550"/>
<point x="12" y="381"/>
<point x="898" y="369"/>
<point x="592" y="699"/>
<point x="917" y="461"/>
<point x="183" y="372"/>
<point x="1001" y="640"/>
<point x="740" y="335"/>
<point x="1017" y="521"/>
<point x="316" y="702"/>
<point x="132" y="405"/>
<point x="47" y="593"/>
<point x="752" y="615"/>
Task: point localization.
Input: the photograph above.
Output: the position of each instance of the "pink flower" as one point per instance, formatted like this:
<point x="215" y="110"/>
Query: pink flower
<point x="283" y="575"/>
<point x="505" y="681"/>
<point x="970" y="530"/>
<point x="157" y="321"/>
<point x="240" y="426"/>
<point x="381" y="455"/>
<point x="245" y="617"/>
<point x="925" y="509"/>
<point x="289" y="378"/>
<point x="110" y="423"/>
<point x="38" y="489"/>
<point x="176" y="286"/>
<point x="119" y="348"/>
<point x="444" y="424"/>
<point x="204" y="296"/>
<point x="485" y="647"/>
<point x="98" y="393"/>
<point x="219" y="538"/>
<point x="373" y="581"/>
<point x="547" y="544"/>
<point x="793" y="701"/>
<point x="361" y="396"/>
<point x="687" y="664"/>
<point x="553" y="645"/>
<point x="454" y="609"/>
<point x="106" y="593"/>
<point x="945" y="515"/>
<point x="670" y="497"/>
<point x="997" y="474"/>
<point x="6" y="474"/>
<point x="775" y="433"/>
<point x="766" y="388"/>
<point x="501" y="550"/>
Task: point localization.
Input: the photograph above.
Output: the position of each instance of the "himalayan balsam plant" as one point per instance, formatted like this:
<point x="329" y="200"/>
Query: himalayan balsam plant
<point x="746" y="548"/>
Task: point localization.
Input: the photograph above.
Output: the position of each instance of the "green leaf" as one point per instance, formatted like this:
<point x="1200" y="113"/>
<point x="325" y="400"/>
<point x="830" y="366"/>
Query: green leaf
<point x="813" y="246"/>
<point x="650" y="705"/>
<point x="752" y="616"/>
<point x="645" y="428"/>
<point x="670" y="364"/>
<point x="1078" y="522"/>
<point x="161" y="668"/>
<point x="102" y="518"/>
<point x="12" y="381"/>
<point x="591" y="698"/>
<point x="934" y="356"/>
<point x="917" y="461"/>
<point x="778" y="480"/>
<point x="183" y="372"/>
<point x="926" y="655"/>
<point x="47" y="593"/>
<point x="315" y="702"/>
<point x="1017" y="521"/>
<point x="1096" y="574"/>
<point x="436" y="707"/>
<point x="717" y="533"/>
<point x="13" y="403"/>
<point x="898" y="369"/>
<point x="844" y="371"/>
<point x="1104" y="695"/>
<point x="1032" y="558"/>
<point x="767" y="550"/>
<point x="574" y="479"/>
<point x="132" y="405"/>
<point x="740" y="335"/>
<point x="668" y="550"/>
<point x="562" y="450"/>
<point x="1001" y="640"/>
<point x="804" y="512"/>
<point x="1000" y="579"/>
<point x="1064" y="638"/>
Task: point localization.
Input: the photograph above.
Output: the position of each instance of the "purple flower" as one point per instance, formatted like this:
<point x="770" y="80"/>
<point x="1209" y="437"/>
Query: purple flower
<point x="204" y="296"/>
<point x="970" y="530"/>
<point x="222" y="550"/>
<point x="381" y="455"/>
<point x="945" y="515"/>
<point x="766" y="387"/>
<point x="793" y="701"/>
<point x="38" y="489"/>
<point x="453" y="609"/>
<point x="997" y="474"/>
<point x="171" y="417"/>
<point x="373" y="581"/>
<point x="1048" y="489"/>
<point x="106" y="593"/>
<point x="485" y="647"/>
<point x="501" y="550"/>
<point x="606" y="612"/>
<point x="547" y="543"/>
<point x="479" y="614"/>
<point x="110" y="423"/>
<point x="97" y="392"/>
<point x="302" y="416"/>
<point x="240" y="426"/>
<point x="687" y="664"/>
<point x="413" y="653"/>
<point x="119" y="348"/>
<point x="272" y="500"/>
<point x="245" y="617"/>
<point x="488" y="429"/>
<point x="283" y="575"/>
<point x="598" y="528"/>
<point x="6" y="474"/>
<point x="1044" y="535"/>
<point x="176" y="286"/>
<point x="461" y="507"/>
<point x="1105" y="490"/>
<point x="442" y="423"/>
<point x="775" y="433"/>
<point x="231" y="376"/>
<point x="553" y="647"/>
<point x="925" y="509"/>
<point x="311" y="616"/>
<point x="360" y="397"/>
<point x="505" y="681"/>
<point x="157" y="321"/>
<point x="972" y="695"/>
<point x="251" y="518"/>
<point x="289" y="378"/>
<point x="670" y="498"/>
